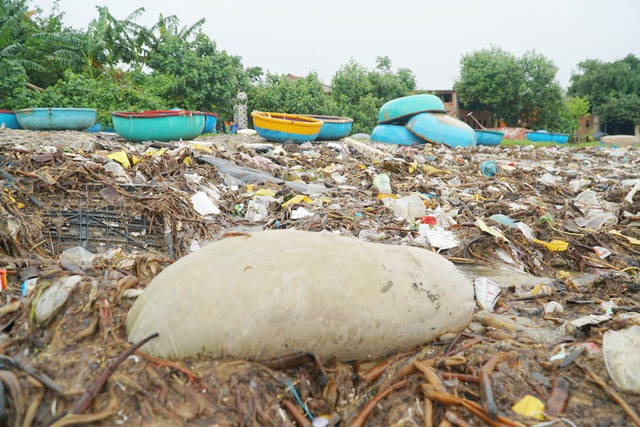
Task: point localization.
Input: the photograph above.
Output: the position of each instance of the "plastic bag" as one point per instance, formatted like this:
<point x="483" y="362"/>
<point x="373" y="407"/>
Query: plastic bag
<point x="622" y="358"/>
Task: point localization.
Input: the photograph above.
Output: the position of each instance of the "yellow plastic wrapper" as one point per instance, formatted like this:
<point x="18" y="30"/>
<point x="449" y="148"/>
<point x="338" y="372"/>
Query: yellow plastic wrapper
<point x="491" y="230"/>
<point x="264" y="192"/>
<point x="201" y="147"/>
<point x="386" y="196"/>
<point x="554" y="245"/>
<point x="296" y="199"/>
<point x="530" y="406"/>
<point x="631" y="240"/>
<point x="120" y="157"/>
<point x="431" y="171"/>
<point x="158" y="153"/>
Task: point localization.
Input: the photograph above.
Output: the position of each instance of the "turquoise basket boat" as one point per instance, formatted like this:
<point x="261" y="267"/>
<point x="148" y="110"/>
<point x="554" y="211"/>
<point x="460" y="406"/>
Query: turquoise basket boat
<point x="544" y="136"/>
<point x="394" y="134"/>
<point x="399" y="110"/>
<point x="561" y="138"/>
<point x="282" y="127"/>
<point x="333" y="128"/>
<point x="488" y="137"/>
<point x="56" y="118"/>
<point x="442" y="129"/>
<point x="9" y="120"/>
<point x="210" y="120"/>
<point x="158" y="125"/>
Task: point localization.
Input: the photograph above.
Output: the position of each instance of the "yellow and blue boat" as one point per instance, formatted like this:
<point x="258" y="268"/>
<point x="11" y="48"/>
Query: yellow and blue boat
<point x="282" y="127"/>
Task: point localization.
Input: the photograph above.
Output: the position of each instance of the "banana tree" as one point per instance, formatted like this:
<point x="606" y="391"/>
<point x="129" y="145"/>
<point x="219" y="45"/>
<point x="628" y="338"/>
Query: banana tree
<point x="16" y="25"/>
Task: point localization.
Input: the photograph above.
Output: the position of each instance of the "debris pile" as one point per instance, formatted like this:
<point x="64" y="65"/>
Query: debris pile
<point x="549" y="236"/>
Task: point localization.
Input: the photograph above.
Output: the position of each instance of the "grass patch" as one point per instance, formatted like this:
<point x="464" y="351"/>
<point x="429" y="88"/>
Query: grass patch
<point x="523" y="142"/>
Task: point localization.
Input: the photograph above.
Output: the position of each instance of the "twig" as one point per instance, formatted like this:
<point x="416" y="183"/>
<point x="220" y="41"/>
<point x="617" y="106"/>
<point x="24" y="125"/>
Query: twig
<point x="464" y="346"/>
<point x="428" y="409"/>
<point x="298" y="417"/>
<point x="94" y="388"/>
<point x="33" y="87"/>
<point x="460" y="377"/>
<point x="30" y="415"/>
<point x="486" y="386"/>
<point x="19" y="262"/>
<point x="614" y="395"/>
<point x="473" y="407"/>
<point x="156" y="360"/>
<point x="430" y="375"/>
<point x="366" y="411"/>
<point x="456" y="420"/>
<point x="43" y="379"/>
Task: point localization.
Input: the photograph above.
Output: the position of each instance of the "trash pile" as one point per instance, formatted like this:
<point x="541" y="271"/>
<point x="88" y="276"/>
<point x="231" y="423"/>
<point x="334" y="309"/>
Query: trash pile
<point x="548" y="237"/>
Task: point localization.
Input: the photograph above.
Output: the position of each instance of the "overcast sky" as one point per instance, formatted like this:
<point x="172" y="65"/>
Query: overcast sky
<point x="428" y="37"/>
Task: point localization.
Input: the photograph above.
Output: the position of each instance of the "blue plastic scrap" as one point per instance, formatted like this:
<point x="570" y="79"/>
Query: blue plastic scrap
<point x="489" y="168"/>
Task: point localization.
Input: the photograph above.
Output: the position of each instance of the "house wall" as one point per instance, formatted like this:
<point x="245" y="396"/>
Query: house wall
<point x="483" y="116"/>
<point x="450" y="100"/>
<point x="588" y="125"/>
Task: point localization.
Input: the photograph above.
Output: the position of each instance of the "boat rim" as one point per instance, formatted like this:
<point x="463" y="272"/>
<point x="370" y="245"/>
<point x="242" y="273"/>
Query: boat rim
<point x="495" y="132"/>
<point x="330" y="119"/>
<point x="408" y="116"/>
<point x="52" y="109"/>
<point x="545" y="132"/>
<point x="297" y="119"/>
<point x="154" y="114"/>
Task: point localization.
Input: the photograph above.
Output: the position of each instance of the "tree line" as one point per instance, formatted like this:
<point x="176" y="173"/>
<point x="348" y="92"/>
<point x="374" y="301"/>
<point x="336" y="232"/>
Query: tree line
<point x="118" y="65"/>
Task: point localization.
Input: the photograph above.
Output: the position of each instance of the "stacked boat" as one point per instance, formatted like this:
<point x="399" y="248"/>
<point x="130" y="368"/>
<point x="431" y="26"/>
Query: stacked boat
<point x="418" y="119"/>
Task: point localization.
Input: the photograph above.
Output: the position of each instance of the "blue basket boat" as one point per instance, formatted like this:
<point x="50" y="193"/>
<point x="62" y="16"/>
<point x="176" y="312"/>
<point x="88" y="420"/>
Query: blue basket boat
<point x="333" y="128"/>
<point x="442" y="129"/>
<point x="399" y="110"/>
<point x="56" y="118"/>
<point x="544" y="136"/>
<point x="394" y="134"/>
<point x="9" y="120"/>
<point x="158" y="125"/>
<point x="488" y="137"/>
<point x="210" y="120"/>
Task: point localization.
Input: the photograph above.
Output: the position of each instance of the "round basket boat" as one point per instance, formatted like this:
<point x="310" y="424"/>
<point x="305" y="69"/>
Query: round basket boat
<point x="56" y="118"/>
<point x="282" y="127"/>
<point x="333" y="128"/>
<point x="8" y="119"/>
<point x="158" y="125"/>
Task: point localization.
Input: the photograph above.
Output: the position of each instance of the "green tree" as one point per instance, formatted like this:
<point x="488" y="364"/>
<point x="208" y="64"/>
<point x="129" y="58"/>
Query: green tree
<point x="280" y="93"/>
<point x="521" y="91"/>
<point x="359" y="93"/>
<point x="541" y="95"/>
<point x="135" y="91"/>
<point x="16" y="26"/>
<point x="492" y="79"/>
<point x="44" y="51"/>
<point x="612" y="88"/>
<point x="203" y="78"/>
<point x="572" y="110"/>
